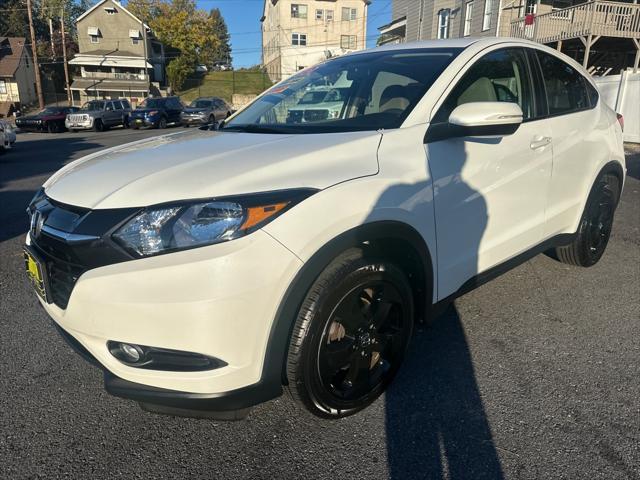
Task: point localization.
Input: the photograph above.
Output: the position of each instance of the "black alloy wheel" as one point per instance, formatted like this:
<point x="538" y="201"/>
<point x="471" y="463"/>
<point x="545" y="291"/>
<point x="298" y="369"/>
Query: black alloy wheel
<point x="595" y="226"/>
<point x="351" y="335"/>
<point x="162" y="123"/>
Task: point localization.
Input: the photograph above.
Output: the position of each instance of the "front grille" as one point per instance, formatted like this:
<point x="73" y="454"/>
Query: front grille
<point x="76" y="118"/>
<point x="66" y="259"/>
<point x="294" y="116"/>
<point x="62" y="278"/>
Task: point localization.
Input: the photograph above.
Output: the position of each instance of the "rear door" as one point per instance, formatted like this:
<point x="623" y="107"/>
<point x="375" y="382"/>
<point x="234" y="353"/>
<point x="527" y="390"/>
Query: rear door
<point x="577" y="145"/>
<point x="490" y="192"/>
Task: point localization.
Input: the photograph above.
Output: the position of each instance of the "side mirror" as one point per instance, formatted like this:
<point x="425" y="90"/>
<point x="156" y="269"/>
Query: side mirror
<point x="487" y="118"/>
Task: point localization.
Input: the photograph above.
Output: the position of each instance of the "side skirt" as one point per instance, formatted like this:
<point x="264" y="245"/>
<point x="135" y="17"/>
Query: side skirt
<point x="484" y="277"/>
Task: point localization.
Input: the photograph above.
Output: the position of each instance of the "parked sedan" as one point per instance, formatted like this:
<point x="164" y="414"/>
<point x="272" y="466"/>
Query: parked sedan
<point x="50" y="119"/>
<point x="7" y="135"/>
<point x="100" y="115"/>
<point x="205" y="110"/>
<point x="157" y="112"/>
<point x="219" y="270"/>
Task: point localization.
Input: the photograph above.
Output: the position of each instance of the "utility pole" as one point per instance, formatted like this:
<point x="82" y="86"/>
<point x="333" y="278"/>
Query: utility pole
<point x="35" y="57"/>
<point x="64" y="58"/>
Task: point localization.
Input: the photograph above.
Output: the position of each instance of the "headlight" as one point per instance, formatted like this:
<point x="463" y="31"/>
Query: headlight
<point x="151" y="113"/>
<point x="175" y="227"/>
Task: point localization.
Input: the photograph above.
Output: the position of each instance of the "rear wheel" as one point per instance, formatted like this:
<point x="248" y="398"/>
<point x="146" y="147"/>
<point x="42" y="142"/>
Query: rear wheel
<point x="595" y="225"/>
<point x="350" y="336"/>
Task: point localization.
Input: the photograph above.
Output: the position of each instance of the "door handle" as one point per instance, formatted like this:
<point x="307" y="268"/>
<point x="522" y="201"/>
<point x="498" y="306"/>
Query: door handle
<point x="539" y="142"/>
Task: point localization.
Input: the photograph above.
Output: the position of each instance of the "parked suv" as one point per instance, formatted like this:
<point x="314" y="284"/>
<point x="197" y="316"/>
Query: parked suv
<point x="99" y="115"/>
<point x="208" y="273"/>
<point x="205" y="110"/>
<point x="157" y="112"/>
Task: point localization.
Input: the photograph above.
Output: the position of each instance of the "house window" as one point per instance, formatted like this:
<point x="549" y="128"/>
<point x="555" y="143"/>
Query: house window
<point x="95" y="38"/>
<point x="298" y="10"/>
<point x="299" y="39"/>
<point x="328" y="15"/>
<point x="468" y="15"/>
<point x="486" y="19"/>
<point x="443" y="23"/>
<point x="348" y="42"/>
<point x="319" y="14"/>
<point x="349" y="14"/>
<point x="110" y="10"/>
<point x="135" y="41"/>
<point x="3" y="86"/>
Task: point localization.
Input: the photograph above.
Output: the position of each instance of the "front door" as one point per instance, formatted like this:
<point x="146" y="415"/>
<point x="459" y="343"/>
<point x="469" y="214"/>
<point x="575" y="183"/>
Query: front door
<point x="490" y="192"/>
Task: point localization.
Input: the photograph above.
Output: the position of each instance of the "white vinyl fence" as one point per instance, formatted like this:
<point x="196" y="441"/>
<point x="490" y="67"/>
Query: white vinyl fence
<point x="622" y="93"/>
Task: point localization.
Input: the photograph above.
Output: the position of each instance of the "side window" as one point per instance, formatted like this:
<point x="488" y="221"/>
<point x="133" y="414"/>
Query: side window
<point x="566" y="89"/>
<point x="593" y="94"/>
<point x="125" y="104"/>
<point x="109" y="107"/>
<point x="118" y="105"/>
<point x="499" y="76"/>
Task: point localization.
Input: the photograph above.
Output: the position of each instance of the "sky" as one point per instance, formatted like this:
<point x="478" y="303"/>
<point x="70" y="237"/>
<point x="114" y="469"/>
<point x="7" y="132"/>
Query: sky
<point x="243" y="22"/>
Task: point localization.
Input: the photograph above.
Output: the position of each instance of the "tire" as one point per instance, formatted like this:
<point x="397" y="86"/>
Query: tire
<point x="98" y="125"/>
<point x="350" y="336"/>
<point x="211" y="120"/>
<point x="52" y="127"/>
<point x="125" y="122"/>
<point x="134" y="127"/>
<point x="162" y="123"/>
<point x="595" y="225"/>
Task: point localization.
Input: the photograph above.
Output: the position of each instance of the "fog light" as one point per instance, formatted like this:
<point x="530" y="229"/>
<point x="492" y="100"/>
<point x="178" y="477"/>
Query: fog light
<point x="155" y="358"/>
<point x="130" y="352"/>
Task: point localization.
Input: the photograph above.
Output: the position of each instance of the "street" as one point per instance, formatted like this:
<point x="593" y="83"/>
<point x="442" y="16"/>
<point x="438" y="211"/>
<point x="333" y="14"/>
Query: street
<point x="535" y="375"/>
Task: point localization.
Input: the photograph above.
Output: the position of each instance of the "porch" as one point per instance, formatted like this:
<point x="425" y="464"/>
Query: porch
<point x="615" y="24"/>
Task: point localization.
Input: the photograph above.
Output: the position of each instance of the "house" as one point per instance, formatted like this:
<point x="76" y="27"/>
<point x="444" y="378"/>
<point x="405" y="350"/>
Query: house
<point x="119" y="55"/>
<point x="438" y="19"/>
<point x="603" y="35"/>
<point x="17" y="77"/>
<point x="300" y="33"/>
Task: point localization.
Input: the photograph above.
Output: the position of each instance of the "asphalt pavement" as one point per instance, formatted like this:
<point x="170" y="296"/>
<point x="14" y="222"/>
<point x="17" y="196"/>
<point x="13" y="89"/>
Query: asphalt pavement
<point x="535" y="375"/>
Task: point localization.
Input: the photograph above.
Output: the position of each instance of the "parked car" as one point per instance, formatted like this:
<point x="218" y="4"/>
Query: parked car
<point x="99" y="115"/>
<point x="157" y="112"/>
<point x="50" y="119"/>
<point x="205" y="110"/>
<point x="320" y="103"/>
<point x="218" y="270"/>
<point x="7" y="136"/>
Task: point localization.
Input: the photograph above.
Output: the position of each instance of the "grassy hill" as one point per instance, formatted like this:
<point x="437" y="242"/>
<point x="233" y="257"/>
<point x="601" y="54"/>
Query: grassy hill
<point x="225" y="84"/>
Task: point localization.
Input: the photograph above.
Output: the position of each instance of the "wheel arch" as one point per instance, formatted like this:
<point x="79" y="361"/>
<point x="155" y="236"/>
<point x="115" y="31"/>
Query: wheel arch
<point x="613" y="167"/>
<point x="394" y="240"/>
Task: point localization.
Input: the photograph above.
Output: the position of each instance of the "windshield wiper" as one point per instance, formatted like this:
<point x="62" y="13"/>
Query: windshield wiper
<point x="253" y="128"/>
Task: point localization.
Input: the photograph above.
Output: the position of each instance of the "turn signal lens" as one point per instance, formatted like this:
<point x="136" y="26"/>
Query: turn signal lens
<point x="256" y="215"/>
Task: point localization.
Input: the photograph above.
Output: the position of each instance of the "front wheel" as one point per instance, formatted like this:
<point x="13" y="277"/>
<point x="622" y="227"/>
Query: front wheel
<point x="350" y="336"/>
<point x="162" y="123"/>
<point x="595" y="225"/>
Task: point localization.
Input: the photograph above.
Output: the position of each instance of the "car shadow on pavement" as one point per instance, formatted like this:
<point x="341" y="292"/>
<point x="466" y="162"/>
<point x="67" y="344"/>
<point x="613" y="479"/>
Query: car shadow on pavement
<point x="435" y="421"/>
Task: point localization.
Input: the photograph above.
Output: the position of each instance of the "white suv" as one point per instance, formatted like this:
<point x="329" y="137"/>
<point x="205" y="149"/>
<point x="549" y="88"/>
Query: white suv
<point x="204" y="273"/>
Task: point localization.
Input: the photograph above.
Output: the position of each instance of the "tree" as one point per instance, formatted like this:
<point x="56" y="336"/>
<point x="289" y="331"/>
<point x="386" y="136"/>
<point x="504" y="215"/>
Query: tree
<point x="221" y="53"/>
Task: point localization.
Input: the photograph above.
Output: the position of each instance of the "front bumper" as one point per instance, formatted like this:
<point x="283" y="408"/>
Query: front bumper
<point x="218" y="300"/>
<point x="189" y="120"/>
<point x="85" y="125"/>
<point x="143" y="121"/>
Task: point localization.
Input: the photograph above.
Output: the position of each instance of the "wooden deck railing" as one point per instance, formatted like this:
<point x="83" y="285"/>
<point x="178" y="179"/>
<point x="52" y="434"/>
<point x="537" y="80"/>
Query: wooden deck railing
<point x="610" y="19"/>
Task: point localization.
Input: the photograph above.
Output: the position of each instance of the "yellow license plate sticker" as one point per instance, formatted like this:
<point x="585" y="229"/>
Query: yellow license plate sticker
<point x="35" y="274"/>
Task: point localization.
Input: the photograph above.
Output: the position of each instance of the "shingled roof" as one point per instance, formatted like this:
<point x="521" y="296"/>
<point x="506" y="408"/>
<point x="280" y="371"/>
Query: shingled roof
<point x="10" y="54"/>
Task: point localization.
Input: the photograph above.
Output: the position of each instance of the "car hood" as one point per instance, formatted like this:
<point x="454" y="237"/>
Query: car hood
<point x="145" y="110"/>
<point x="195" y="110"/>
<point x="183" y="166"/>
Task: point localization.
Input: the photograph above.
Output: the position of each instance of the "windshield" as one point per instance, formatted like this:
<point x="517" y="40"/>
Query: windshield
<point x="356" y="92"/>
<point x="200" y="104"/>
<point x="151" y="103"/>
<point x="93" y="105"/>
